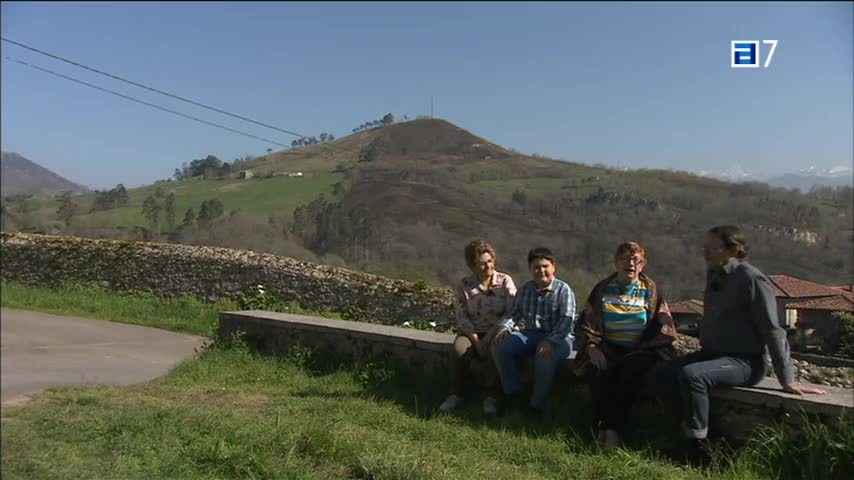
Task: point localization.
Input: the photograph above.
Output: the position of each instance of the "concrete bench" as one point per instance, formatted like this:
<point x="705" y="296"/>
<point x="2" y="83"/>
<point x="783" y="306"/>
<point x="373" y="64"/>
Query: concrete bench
<point x="739" y="409"/>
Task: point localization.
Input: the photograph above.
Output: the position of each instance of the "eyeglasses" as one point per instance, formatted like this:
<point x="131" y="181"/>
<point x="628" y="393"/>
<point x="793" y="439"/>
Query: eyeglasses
<point x="632" y="260"/>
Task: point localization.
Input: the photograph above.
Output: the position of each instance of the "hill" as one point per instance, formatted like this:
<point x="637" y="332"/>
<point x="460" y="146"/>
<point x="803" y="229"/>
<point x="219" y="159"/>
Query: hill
<point x="404" y="199"/>
<point x="431" y="186"/>
<point x="20" y="175"/>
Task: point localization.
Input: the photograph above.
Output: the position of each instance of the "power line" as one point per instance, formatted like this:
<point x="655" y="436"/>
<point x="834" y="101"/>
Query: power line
<point x="171" y="95"/>
<point x="148" y="104"/>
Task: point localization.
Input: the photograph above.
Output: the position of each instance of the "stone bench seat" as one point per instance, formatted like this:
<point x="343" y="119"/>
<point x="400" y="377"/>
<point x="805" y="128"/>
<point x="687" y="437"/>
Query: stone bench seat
<point x="430" y="351"/>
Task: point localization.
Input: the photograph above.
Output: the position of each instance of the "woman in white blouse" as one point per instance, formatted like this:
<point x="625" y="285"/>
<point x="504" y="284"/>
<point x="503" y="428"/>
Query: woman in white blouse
<point x="481" y="301"/>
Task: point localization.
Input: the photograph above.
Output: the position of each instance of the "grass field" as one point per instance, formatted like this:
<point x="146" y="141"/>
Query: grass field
<point x="187" y="315"/>
<point x="232" y="413"/>
<point x="256" y="196"/>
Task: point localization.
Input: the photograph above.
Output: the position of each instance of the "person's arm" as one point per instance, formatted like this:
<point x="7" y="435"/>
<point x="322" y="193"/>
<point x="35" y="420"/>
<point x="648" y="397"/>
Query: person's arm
<point x="587" y="338"/>
<point x="585" y="334"/>
<point x="567" y="315"/>
<point x="763" y="311"/>
<point x="510" y="300"/>
<point x="665" y="326"/>
<point x="509" y="304"/>
<point x="512" y="318"/>
<point x="464" y="324"/>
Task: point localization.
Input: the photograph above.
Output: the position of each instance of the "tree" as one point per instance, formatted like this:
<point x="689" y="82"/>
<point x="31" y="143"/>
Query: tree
<point x="225" y="170"/>
<point x="67" y="209"/>
<point x="210" y="210"/>
<point x="108" y="199"/>
<point x="323" y="137"/>
<point x="372" y="151"/>
<point x="120" y="196"/>
<point x="169" y="208"/>
<point x="189" y="218"/>
<point x="202" y="167"/>
<point x="24" y="207"/>
<point x="151" y="210"/>
<point x="388" y="119"/>
<point x="4" y="215"/>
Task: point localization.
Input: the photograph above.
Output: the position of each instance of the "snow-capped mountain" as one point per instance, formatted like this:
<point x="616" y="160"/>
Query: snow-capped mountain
<point x="804" y="180"/>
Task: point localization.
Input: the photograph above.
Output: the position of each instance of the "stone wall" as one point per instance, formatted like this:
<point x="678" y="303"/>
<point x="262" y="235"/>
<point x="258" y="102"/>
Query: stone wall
<point x="213" y="273"/>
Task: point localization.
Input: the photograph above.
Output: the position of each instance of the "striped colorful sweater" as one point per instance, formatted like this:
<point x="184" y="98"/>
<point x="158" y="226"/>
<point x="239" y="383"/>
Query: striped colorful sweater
<point x="624" y="308"/>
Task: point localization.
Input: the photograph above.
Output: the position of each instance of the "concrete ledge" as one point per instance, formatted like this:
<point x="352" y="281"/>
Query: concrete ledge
<point x="276" y="332"/>
<point x="740" y="408"/>
<point x="768" y="394"/>
<point x="397" y="335"/>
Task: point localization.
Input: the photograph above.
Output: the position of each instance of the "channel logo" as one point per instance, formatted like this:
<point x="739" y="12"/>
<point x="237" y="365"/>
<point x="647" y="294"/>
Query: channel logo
<point x="746" y="53"/>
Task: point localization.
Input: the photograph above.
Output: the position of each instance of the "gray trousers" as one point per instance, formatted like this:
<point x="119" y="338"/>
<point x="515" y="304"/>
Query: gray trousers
<point x="687" y="381"/>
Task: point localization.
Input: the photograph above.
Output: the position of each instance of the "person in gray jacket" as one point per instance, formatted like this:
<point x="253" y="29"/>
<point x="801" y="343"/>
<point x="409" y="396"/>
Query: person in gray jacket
<point x="739" y="327"/>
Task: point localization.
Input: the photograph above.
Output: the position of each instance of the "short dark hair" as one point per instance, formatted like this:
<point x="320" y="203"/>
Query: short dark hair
<point x="476" y="248"/>
<point x="732" y="237"/>
<point x="541" y="252"/>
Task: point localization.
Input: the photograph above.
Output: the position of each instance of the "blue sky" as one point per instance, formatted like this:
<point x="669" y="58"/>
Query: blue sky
<point x="641" y="85"/>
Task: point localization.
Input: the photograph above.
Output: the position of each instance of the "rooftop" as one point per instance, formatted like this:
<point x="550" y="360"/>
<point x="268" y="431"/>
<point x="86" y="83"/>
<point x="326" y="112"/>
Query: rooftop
<point x="791" y="287"/>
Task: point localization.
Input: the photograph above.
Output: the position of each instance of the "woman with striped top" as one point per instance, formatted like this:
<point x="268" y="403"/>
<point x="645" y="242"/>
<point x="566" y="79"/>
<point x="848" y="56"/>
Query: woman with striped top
<point x="624" y="331"/>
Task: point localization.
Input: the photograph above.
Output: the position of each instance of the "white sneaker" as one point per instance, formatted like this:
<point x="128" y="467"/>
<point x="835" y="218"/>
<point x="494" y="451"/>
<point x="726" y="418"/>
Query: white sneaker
<point x="451" y="403"/>
<point x="490" y="406"/>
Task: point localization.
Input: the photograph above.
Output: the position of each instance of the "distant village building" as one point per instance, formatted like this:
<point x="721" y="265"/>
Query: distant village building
<point x="791" y="291"/>
<point x="245" y="174"/>
<point x="812" y="306"/>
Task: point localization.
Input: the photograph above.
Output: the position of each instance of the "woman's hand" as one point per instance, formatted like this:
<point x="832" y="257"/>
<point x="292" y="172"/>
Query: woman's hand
<point x="796" y="389"/>
<point x="597" y="358"/>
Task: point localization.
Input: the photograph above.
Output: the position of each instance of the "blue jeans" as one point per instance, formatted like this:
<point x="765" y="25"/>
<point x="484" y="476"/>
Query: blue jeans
<point x="687" y="381"/>
<point x="524" y="344"/>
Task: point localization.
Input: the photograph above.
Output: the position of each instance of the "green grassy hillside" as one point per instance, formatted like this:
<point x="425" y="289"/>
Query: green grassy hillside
<point x="256" y="196"/>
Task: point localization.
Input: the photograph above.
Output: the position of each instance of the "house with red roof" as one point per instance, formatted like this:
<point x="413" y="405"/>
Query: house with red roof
<point x="808" y="307"/>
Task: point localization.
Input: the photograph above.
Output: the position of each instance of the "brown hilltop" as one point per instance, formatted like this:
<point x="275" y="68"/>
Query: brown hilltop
<point x="437" y="137"/>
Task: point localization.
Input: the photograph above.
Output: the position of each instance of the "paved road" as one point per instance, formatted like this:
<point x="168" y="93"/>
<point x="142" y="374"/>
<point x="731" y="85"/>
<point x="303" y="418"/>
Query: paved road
<point x="39" y="350"/>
